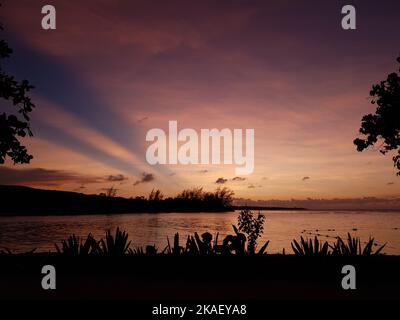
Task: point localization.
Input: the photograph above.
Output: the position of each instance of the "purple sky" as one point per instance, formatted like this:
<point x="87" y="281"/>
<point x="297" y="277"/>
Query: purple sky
<point x="112" y="70"/>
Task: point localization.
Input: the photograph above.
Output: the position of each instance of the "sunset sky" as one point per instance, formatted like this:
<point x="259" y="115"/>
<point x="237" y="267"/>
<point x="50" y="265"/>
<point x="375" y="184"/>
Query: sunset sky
<point x="112" y="70"/>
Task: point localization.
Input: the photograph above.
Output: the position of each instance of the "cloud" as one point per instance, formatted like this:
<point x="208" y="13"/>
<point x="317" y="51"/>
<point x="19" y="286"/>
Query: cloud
<point x="82" y="187"/>
<point x="146" y="177"/>
<point x="107" y="189"/>
<point x="203" y="171"/>
<point x="142" y="119"/>
<point x="390" y="183"/>
<point x="221" y="180"/>
<point x="238" y="179"/>
<point x="251" y="186"/>
<point x="305" y="178"/>
<point x="40" y="176"/>
<point x="116" y="178"/>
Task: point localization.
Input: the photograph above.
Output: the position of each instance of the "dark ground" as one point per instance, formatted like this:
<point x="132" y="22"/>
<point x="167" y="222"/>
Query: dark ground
<point x="271" y="287"/>
<point x="272" y="277"/>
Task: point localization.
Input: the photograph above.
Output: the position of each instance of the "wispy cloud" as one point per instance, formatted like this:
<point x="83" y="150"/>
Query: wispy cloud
<point x="142" y="119"/>
<point x="305" y="178"/>
<point x="221" y="180"/>
<point x="45" y="177"/>
<point x="80" y="188"/>
<point x="146" y="177"/>
<point x="116" y="178"/>
<point x="239" y="179"/>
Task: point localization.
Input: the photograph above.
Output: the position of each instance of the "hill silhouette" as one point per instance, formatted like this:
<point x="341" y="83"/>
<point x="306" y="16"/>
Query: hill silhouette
<point x="21" y="200"/>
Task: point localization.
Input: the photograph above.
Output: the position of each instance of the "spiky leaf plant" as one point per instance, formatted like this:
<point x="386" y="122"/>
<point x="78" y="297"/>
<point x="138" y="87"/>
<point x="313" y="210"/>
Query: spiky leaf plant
<point x="117" y="245"/>
<point x="307" y="247"/>
<point x="352" y="247"/>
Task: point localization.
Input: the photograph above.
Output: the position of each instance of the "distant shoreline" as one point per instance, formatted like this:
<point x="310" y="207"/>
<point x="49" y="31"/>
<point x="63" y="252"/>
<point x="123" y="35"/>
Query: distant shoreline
<point x="27" y="201"/>
<point x="60" y="213"/>
<point x="269" y="208"/>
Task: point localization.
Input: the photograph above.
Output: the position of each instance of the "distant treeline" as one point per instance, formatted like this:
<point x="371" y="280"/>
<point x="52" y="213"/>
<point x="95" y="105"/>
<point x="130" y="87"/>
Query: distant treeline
<point x="268" y="208"/>
<point x="20" y="200"/>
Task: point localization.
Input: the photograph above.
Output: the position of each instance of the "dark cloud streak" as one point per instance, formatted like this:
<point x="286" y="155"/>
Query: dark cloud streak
<point x="116" y="178"/>
<point x="44" y="176"/>
<point x="221" y="180"/>
<point x="146" y="177"/>
<point x="238" y="179"/>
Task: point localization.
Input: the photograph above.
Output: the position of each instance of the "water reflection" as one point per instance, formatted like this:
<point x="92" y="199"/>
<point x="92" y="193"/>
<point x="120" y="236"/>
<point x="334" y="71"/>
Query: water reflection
<point x="25" y="233"/>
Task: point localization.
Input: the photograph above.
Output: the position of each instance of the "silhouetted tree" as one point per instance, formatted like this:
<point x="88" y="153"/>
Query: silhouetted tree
<point x="155" y="195"/>
<point x="221" y="197"/>
<point x="253" y="226"/>
<point x="384" y="125"/>
<point x="11" y="127"/>
<point x="109" y="192"/>
<point x="195" y="193"/>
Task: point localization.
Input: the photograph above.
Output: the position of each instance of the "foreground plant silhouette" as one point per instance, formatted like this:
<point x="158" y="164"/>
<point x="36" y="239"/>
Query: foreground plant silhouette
<point x="232" y="244"/>
<point x="350" y="247"/>
<point x="253" y="226"/>
<point x="74" y="246"/>
<point x="118" y="244"/>
<point x="205" y="245"/>
<point x="310" y="248"/>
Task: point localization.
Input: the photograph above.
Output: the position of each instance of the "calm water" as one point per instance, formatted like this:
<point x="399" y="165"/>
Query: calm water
<point x="26" y="233"/>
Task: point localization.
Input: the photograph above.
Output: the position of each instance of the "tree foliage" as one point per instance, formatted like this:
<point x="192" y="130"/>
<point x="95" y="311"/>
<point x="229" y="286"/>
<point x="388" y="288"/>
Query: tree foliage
<point x="12" y="127"/>
<point x="384" y="125"/>
<point x="252" y="225"/>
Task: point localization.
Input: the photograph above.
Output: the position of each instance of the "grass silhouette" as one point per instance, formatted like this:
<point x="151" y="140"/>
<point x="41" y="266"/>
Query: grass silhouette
<point x="351" y="247"/>
<point x="309" y="248"/>
<point x="117" y="245"/>
<point x="75" y="247"/>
